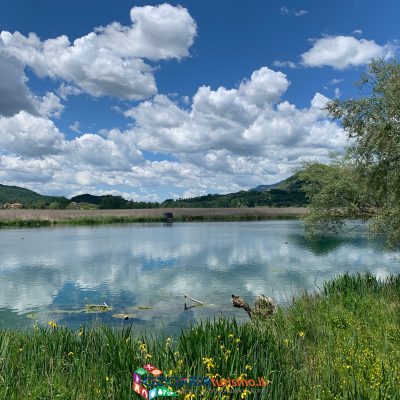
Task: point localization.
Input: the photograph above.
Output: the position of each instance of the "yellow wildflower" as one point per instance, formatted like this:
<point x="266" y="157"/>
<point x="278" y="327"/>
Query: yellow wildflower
<point x="228" y="387"/>
<point x="301" y="334"/>
<point x="71" y="354"/>
<point x="143" y="347"/>
<point x="248" y="368"/>
<point x="245" y="393"/>
<point x="237" y="340"/>
<point x="170" y="372"/>
<point x="230" y="335"/>
<point x="189" y="396"/>
<point x="209" y="363"/>
<point x="52" y="324"/>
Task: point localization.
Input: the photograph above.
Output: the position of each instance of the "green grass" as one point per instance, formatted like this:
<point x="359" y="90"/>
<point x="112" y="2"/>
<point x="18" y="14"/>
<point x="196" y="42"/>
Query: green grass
<point x="342" y="343"/>
<point x="22" y="223"/>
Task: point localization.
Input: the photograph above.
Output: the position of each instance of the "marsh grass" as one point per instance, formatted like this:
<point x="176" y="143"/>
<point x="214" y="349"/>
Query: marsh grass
<point x="341" y="343"/>
<point x="34" y="223"/>
<point x="37" y="218"/>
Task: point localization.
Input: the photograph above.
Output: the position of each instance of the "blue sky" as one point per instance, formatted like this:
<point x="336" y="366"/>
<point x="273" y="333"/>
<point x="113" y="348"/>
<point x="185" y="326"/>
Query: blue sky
<point x="158" y="100"/>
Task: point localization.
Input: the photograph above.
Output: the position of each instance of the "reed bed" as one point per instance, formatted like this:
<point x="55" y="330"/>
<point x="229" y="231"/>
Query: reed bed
<point x="341" y="343"/>
<point x="37" y="218"/>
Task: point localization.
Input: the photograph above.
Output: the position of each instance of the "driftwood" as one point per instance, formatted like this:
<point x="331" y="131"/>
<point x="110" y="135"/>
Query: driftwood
<point x="194" y="300"/>
<point x="198" y="302"/>
<point x="263" y="307"/>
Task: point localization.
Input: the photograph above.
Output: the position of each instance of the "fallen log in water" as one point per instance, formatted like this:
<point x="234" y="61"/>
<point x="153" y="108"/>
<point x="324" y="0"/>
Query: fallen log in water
<point x="264" y="306"/>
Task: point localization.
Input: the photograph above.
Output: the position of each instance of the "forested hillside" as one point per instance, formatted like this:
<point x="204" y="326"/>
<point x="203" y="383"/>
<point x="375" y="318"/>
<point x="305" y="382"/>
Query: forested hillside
<point x="286" y="193"/>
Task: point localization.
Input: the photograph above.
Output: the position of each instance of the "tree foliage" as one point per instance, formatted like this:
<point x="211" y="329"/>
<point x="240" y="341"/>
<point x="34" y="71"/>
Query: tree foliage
<point x="113" y="202"/>
<point x="288" y="197"/>
<point x="364" y="183"/>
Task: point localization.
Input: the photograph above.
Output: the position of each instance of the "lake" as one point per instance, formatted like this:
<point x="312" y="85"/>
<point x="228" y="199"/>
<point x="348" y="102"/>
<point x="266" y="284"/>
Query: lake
<point x="144" y="270"/>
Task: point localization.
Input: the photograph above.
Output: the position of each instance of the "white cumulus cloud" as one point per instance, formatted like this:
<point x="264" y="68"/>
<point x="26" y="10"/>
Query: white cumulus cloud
<point x="221" y="140"/>
<point x="111" y="59"/>
<point x="27" y="135"/>
<point x="319" y="100"/>
<point x="115" y="152"/>
<point x="341" y="52"/>
<point x="247" y="121"/>
<point x="231" y="138"/>
<point x="14" y="93"/>
<point x="50" y="105"/>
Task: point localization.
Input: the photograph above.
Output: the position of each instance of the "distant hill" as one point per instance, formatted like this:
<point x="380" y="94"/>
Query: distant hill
<point x="87" y="198"/>
<point x="15" y="194"/>
<point x="264" y="188"/>
<point x="286" y="193"/>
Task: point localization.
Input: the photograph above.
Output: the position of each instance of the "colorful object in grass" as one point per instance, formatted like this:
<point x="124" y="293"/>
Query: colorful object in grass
<point x="141" y="386"/>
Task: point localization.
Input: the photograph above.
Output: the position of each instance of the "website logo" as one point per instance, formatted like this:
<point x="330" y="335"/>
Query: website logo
<point x="146" y="385"/>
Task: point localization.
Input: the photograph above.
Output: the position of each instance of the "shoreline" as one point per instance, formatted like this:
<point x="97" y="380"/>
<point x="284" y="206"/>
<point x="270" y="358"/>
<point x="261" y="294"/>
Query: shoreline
<point x="26" y="218"/>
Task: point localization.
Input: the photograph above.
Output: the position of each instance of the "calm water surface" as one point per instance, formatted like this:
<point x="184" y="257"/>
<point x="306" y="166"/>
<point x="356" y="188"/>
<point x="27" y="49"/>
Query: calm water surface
<point x="144" y="270"/>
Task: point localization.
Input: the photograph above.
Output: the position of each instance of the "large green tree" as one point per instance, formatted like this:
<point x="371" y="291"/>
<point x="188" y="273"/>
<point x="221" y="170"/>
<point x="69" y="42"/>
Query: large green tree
<point x="364" y="183"/>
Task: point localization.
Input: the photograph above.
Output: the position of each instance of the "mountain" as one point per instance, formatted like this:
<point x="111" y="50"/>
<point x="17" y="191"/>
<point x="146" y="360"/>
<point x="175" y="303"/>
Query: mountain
<point x="264" y="188"/>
